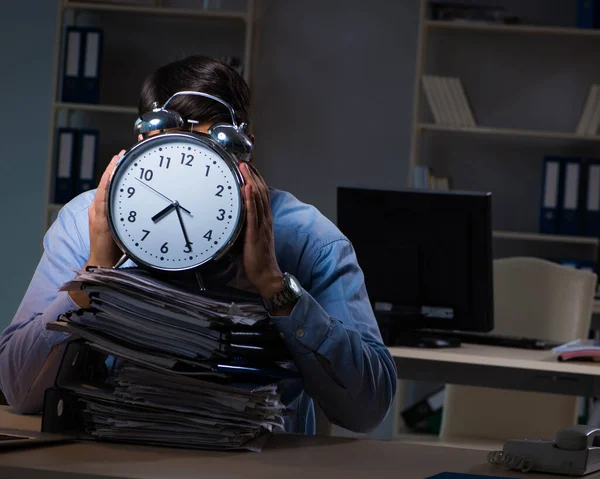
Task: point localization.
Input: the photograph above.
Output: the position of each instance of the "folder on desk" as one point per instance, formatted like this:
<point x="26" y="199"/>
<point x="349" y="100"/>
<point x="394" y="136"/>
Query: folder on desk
<point x="88" y="147"/>
<point x="66" y="153"/>
<point x="570" y="215"/>
<point x="551" y="195"/>
<point x="591" y="212"/>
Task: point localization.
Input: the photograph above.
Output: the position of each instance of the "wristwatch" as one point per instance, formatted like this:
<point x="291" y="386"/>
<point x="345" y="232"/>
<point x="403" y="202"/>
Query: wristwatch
<point x="290" y="293"/>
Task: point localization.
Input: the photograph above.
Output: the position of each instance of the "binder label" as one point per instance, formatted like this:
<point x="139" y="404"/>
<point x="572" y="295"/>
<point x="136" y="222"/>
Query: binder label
<point x="551" y="193"/>
<point x="571" y="186"/>
<point x="73" y="44"/>
<point x="593" y="198"/>
<point x="88" y="149"/>
<point x="91" y="55"/>
<point x="65" y="155"/>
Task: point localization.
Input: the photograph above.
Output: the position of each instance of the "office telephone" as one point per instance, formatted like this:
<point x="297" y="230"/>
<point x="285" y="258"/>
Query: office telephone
<point x="575" y="452"/>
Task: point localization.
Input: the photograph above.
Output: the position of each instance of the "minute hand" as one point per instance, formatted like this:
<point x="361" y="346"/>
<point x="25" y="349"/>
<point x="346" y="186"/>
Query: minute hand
<point x="159" y="193"/>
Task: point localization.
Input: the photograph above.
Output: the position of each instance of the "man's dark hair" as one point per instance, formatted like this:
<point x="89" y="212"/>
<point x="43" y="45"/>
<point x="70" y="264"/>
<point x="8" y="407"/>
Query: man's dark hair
<point x="203" y="74"/>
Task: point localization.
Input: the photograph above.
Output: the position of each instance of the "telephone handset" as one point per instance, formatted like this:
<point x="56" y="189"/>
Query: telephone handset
<point x="575" y="452"/>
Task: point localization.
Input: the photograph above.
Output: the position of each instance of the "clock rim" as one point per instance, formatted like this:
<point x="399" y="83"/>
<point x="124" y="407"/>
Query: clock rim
<point x="231" y="162"/>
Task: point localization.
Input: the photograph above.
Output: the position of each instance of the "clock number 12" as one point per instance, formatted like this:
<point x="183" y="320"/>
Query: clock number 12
<point x="190" y="158"/>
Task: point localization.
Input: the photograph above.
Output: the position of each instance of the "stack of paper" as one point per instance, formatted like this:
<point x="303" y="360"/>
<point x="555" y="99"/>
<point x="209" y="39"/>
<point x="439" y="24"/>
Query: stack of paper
<point x="198" y="369"/>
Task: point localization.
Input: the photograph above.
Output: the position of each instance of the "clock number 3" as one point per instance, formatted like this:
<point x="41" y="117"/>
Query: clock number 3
<point x="221" y="217"/>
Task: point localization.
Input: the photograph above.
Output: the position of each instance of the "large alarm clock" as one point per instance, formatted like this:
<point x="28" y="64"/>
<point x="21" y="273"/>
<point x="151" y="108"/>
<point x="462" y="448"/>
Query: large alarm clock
<point x="175" y="200"/>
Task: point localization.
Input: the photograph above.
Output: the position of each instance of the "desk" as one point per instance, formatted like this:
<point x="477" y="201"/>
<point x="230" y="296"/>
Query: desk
<point x="289" y="456"/>
<point x="483" y="365"/>
<point x="499" y="367"/>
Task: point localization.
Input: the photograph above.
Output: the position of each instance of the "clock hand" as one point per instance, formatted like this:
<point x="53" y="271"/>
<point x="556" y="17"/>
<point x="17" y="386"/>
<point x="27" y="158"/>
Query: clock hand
<point x="163" y="212"/>
<point x="159" y="193"/>
<point x="187" y="240"/>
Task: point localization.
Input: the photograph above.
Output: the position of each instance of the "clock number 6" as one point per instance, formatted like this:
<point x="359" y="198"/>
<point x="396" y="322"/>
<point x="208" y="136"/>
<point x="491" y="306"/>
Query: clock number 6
<point x="164" y="249"/>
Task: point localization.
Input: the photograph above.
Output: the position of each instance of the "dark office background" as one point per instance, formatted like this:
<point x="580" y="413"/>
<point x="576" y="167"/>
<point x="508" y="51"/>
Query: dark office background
<point x="333" y="89"/>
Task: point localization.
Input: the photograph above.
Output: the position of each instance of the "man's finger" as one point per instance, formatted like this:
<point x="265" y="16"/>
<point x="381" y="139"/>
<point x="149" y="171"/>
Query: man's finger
<point x="102" y="191"/>
<point x="251" y="216"/>
<point x="264" y="191"/>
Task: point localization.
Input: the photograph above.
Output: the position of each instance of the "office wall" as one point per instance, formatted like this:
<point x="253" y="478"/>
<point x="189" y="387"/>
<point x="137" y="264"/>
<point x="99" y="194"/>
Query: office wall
<point x="26" y="51"/>
<point x="333" y="94"/>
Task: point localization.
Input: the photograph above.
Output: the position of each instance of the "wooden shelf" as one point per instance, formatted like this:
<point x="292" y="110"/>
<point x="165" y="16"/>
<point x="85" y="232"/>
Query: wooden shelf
<point x="176" y="12"/>
<point x="500" y="28"/>
<point x="97" y="108"/>
<point x="480" y="130"/>
<point x="514" y="235"/>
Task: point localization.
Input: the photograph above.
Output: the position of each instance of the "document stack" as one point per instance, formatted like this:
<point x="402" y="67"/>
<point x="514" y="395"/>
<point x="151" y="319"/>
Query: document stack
<point x="165" y="363"/>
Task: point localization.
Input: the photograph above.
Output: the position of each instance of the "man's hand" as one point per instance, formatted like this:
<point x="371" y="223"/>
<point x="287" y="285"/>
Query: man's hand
<point x="104" y="251"/>
<point x="260" y="263"/>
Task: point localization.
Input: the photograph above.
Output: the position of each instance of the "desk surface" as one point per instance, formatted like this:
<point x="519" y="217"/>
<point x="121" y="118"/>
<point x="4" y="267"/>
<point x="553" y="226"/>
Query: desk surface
<point x="288" y="456"/>
<point x="498" y="356"/>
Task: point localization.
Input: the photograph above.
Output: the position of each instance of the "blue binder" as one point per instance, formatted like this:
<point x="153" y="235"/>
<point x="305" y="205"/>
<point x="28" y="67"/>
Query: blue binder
<point x="571" y="211"/>
<point x="570" y="214"/>
<point x="87" y="158"/>
<point x="92" y="47"/>
<point x="591" y="202"/>
<point x="72" y="65"/>
<point x="588" y="13"/>
<point x="82" y="64"/>
<point x="66" y="153"/>
<point x="551" y="195"/>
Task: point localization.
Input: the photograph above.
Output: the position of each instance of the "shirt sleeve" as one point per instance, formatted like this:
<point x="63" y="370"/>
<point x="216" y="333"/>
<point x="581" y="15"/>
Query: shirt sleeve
<point x="336" y="343"/>
<point x="26" y="344"/>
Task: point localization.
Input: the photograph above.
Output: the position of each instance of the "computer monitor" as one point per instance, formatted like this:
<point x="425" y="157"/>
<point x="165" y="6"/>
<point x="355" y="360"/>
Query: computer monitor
<point x="426" y="256"/>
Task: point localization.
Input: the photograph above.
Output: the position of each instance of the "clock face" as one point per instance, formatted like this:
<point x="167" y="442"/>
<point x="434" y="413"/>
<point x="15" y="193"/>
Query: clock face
<point x="174" y="202"/>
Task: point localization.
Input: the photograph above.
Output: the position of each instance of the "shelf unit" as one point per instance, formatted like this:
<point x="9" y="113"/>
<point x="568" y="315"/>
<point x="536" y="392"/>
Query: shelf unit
<point x="170" y="13"/>
<point x="421" y="127"/>
<point x="508" y="132"/>
<point x="525" y="29"/>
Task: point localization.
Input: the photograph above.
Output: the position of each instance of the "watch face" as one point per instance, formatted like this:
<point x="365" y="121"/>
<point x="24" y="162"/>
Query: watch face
<point x="293" y="285"/>
<point x="175" y="201"/>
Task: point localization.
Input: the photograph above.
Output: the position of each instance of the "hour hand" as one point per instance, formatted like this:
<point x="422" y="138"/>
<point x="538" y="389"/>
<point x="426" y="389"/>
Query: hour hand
<point x="165" y="211"/>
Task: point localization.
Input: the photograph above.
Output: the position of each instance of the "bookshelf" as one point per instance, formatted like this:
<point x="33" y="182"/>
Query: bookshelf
<point x="139" y="36"/>
<point x="492" y="43"/>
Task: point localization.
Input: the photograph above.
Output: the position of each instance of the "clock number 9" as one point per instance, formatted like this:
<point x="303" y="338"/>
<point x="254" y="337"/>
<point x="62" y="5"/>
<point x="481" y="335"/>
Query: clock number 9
<point x="164" y="249"/>
<point x="146" y="174"/>
<point x="130" y="191"/>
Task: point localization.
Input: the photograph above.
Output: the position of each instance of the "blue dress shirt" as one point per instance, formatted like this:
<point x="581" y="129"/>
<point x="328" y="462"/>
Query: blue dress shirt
<point x="331" y="332"/>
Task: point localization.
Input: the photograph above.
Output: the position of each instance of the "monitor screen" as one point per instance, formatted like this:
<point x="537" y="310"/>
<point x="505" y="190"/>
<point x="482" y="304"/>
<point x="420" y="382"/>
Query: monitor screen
<point x="426" y="255"/>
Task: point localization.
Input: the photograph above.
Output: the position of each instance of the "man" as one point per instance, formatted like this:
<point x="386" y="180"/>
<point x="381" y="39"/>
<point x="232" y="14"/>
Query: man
<point x="329" y="327"/>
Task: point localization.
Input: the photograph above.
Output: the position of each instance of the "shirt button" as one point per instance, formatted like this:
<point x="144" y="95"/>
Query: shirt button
<point x="282" y="336"/>
<point x="299" y="333"/>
